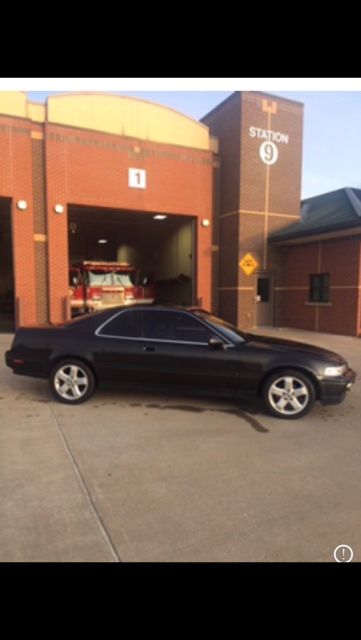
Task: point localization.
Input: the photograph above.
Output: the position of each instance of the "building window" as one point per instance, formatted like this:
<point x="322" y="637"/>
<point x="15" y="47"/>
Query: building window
<point x="320" y="287"/>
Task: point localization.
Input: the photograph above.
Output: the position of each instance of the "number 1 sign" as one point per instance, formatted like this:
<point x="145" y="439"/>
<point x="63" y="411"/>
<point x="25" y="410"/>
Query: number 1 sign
<point x="137" y="178"/>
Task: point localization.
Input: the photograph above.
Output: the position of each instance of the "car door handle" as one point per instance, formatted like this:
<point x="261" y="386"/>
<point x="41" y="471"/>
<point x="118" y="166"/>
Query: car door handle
<point x="148" y="348"/>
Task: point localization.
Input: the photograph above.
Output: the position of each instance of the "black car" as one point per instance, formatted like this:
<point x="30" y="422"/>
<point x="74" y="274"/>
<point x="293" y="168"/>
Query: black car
<point x="184" y="349"/>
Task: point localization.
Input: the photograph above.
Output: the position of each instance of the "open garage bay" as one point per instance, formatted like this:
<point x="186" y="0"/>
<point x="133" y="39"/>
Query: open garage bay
<point x="159" y="246"/>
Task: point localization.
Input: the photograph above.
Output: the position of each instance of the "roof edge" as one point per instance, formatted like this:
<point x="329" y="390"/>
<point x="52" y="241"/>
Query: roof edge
<point x="355" y="202"/>
<point x="307" y="233"/>
<point x="109" y="94"/>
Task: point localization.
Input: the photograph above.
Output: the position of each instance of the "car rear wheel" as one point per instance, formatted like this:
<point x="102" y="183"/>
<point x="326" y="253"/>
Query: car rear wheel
<point x="72" y="381"/>
<point x="288" y="394"/>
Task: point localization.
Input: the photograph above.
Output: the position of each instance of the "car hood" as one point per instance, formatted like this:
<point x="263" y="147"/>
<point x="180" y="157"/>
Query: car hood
<point x="280" y="344"/>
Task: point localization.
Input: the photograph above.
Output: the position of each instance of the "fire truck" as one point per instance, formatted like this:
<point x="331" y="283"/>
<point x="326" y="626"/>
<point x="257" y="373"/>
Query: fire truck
<point x="101" y="285"/>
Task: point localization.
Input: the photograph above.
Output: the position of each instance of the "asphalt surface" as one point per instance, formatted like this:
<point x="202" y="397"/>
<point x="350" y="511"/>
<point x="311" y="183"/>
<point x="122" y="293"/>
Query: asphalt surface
<point x="133" y="477"/>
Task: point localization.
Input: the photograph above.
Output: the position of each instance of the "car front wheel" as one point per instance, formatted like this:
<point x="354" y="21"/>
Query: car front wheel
<point x="72" y="381"/>
<point x="288" y="394"/>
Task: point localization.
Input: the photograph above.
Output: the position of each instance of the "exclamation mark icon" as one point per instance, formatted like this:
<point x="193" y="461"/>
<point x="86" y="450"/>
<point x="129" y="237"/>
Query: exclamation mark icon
<point x="343" y="553"/>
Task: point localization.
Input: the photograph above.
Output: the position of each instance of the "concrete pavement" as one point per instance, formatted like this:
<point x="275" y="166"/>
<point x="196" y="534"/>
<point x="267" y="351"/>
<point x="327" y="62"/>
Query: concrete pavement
<point x="134" y="477"/>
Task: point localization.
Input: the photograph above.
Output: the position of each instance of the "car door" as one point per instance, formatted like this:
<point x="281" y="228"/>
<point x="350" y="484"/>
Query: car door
<point x="176" y="350"/>
<point x="117" y="353"/>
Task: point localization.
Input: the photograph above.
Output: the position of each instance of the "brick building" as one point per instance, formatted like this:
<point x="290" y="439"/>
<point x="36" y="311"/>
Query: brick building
<point x="89" y="166"/>
<point x="85" y="167"/>
<point x="258" y="192"/>
<point x="321" y="256"/>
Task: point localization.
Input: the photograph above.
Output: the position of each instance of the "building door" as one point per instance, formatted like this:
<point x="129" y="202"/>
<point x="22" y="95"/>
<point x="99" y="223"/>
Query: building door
<point x="7" y="298"/>
<point x="264" y="301"/>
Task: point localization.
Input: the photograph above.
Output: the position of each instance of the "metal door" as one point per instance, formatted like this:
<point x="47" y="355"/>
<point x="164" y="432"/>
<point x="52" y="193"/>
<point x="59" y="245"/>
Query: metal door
<point x="264" y="301"/>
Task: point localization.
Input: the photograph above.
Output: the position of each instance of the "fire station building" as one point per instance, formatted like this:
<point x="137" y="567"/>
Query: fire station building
<point x="211" y="208"/>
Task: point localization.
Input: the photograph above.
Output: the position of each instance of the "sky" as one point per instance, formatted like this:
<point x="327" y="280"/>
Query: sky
<point x="332" y="129"/>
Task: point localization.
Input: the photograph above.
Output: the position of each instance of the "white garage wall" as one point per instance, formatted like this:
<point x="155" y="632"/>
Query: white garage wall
<point x="175" y="256"/>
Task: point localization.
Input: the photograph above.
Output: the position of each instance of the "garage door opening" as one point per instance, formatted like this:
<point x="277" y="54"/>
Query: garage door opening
<point x="160" y="247"/>
<point x="7" y="296"/>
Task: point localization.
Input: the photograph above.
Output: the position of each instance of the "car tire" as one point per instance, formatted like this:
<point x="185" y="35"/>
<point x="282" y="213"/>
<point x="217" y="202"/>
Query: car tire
<point x="72" y="381"/>
<point x="288" y="394"/>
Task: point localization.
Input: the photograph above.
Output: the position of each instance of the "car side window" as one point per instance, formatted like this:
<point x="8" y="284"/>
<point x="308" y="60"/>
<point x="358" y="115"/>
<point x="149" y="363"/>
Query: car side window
<point x="124" y="325"/>
<point x="173" y="325"/>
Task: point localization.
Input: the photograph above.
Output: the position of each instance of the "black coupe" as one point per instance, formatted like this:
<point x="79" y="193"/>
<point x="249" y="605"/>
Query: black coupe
<point x="186" y="349"/>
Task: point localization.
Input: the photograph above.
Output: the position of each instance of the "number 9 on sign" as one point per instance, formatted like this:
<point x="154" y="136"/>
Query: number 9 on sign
<point x="268" y="152"/>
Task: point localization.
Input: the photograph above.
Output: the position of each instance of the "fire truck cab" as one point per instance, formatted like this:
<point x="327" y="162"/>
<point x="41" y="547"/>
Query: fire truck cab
<point x="101" y="285"/>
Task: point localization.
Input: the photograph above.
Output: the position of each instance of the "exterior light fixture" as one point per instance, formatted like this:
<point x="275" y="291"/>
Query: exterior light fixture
<point x="205" y="222"/>
<point x="22" y="205"/>
<point x="102" y="241"/>
<point x="159" y="217"/>
<point x="59" y="208"/>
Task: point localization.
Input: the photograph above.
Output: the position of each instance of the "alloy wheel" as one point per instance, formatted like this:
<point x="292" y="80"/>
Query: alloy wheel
<point x="71" y="382"/>
<point x="288" y="395"/>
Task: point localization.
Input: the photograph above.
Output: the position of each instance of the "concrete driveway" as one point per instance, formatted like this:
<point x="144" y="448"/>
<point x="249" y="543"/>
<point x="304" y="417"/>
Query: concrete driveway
<point x="132" y="477"/>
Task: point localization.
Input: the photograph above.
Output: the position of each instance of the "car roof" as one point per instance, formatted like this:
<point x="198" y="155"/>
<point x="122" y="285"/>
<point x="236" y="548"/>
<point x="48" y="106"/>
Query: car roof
<point x="104" y="314"/>
<point x="161" y="307"/>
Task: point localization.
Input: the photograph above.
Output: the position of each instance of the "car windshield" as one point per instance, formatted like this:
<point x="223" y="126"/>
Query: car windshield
<point x="228" y="329"/>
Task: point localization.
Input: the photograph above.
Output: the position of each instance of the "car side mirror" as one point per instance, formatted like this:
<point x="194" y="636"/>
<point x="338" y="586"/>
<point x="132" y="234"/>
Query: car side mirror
<point x="216" y="343"/>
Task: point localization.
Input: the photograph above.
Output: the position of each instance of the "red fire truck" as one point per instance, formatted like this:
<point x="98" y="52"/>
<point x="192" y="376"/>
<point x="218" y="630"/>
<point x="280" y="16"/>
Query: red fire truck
<point x="101" y="285"/>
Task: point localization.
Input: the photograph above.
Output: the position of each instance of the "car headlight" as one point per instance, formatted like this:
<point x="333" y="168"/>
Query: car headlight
<point x="335" y="371"/>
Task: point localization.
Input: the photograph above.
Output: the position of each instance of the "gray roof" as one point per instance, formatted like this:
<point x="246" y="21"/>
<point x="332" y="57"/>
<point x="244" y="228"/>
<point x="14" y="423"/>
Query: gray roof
<point x="333" y="211"/>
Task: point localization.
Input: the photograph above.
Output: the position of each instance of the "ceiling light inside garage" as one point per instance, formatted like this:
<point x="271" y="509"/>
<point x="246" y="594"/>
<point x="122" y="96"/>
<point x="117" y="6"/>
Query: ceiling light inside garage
<point x="102" y="241"/>
<point x="159" y="217"/>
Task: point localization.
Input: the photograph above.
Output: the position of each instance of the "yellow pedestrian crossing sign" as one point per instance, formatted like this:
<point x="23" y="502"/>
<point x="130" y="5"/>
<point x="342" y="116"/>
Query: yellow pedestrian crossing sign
<point x="248" y="264"/>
